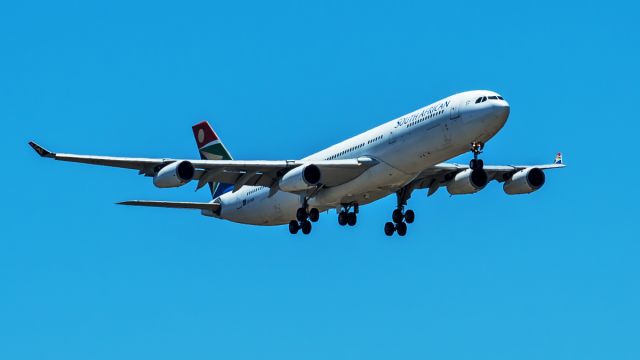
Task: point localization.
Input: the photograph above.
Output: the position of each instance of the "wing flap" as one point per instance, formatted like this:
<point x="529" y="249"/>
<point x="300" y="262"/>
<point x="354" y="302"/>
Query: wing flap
<point x="121" y="162"/>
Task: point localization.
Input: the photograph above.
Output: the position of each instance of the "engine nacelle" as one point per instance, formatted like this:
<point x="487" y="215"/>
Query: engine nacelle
<point x="175" y="174"/>
<point x="467" y="182"/>
<point x="300" y="179"/>
<point x="524" y="181"/>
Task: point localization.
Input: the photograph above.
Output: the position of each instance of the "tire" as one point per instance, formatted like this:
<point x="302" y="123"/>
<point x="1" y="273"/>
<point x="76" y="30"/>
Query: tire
<point x="401" y="228"/>
<point x="472" y="164"/>
<point x="397" y="216"/>
<point x="301" y="214"/>
<point x="314" y="215"/>
<point x="389" y="228"/>
<point x="306" y="227"/>
<point x="293" y="227"/>
<point x="352" y="218"/>
<point x="409" y="216"/>
<point x="479" y="164"/>
<point x="342" y="218"/>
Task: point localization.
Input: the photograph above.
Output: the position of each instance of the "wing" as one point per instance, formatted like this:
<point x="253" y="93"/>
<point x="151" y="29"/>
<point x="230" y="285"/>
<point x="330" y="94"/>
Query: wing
<point x="236" y="172"/>
<point x="438" y="175"/>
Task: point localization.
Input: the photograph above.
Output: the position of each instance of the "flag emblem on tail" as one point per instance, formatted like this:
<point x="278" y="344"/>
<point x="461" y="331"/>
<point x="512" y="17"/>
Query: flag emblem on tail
<point x="211" y="148"/>
<point x="558" y="159"/>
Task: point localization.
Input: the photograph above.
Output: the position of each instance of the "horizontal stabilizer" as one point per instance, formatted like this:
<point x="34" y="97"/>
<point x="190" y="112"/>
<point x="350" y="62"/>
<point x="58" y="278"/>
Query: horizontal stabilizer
<point x="173" y="204"/>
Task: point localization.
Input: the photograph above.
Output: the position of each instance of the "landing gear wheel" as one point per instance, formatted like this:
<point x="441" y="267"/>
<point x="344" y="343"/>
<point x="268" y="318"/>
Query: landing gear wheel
<point x="409" y="216"/>
<point x="389" y="228"/>
<point x="306" y="227"/>
<point x="401" y="228"/>
<point x="352" y="219"/>
<point x="301" y="214"/>
<point x="397" y="216"/>
<point x="476" y="149"/>
<point x="314" y="215"/>
<point x="476" y="164"/>
<point x="342" y="218"/>
<point x="293" y="227"/>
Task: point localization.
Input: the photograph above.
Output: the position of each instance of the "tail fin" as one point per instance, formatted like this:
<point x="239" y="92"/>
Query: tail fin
<point x="211" y="148"/>
<point x="558" y="159"/>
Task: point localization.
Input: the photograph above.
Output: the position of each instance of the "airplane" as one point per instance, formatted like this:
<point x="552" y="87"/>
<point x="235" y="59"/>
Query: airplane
<point x="398" y="157"/>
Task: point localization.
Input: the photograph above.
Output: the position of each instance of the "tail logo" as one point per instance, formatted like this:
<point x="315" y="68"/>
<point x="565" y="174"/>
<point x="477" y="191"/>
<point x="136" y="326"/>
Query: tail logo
<point x="211" y="148"/>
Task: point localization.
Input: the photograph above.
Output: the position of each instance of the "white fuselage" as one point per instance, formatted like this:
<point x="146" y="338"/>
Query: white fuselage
<point x="403" y="147"/>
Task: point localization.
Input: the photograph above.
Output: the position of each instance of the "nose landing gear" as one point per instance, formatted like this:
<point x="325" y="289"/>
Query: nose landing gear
<point x="476" y="148"/>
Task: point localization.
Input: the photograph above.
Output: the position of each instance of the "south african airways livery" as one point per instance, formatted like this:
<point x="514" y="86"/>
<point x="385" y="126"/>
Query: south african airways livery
<point x="397" y="157"/>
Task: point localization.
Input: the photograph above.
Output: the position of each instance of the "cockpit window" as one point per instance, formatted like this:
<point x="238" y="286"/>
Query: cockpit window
<point x="485" y="98"/>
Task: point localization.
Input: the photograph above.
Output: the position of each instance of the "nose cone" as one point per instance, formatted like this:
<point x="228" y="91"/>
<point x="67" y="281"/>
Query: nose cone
<point x="495" y="116"/>
<point x="501" y="111"/>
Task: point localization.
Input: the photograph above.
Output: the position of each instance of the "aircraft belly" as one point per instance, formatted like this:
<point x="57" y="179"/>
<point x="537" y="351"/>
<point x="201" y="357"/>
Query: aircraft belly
<point x="261" y="210"/>
<point x="381" y="178"/>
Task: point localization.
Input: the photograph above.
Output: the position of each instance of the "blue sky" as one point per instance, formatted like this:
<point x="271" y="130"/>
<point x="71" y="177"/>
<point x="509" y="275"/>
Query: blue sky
<point x="552" y="275"/>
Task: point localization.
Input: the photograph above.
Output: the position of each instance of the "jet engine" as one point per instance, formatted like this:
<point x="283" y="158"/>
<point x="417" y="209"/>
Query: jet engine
<point x="300" y="178"/>
<point x="467" y="182"/>
<point x="524" y="181"/>
<point x="175" y="174"/>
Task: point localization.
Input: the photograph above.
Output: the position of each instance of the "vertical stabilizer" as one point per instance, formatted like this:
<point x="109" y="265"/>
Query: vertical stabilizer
<point x="211" y="148"/>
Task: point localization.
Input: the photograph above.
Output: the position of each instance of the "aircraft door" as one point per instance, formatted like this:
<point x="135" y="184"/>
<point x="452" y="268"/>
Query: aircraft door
<point x="391" y="138"/>
<point x="446" y="132"/>
<point x="454" y="113"/>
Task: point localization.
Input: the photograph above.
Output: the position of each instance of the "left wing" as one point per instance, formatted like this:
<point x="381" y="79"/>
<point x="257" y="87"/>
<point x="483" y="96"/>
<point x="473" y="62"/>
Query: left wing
<point x="441" y="174"/>
<point x="236" y="172"/>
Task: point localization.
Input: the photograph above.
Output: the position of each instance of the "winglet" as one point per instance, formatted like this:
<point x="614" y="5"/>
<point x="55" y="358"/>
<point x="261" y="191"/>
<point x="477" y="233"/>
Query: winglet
<point x="558" y="160"/>
<point x="41" y="151"/>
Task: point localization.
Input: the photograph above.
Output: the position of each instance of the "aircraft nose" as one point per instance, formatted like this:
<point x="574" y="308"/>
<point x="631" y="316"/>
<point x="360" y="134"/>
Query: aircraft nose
<point x="502" y="110"/>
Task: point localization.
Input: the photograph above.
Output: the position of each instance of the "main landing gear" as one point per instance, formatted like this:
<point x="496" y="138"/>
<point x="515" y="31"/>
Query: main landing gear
<point x="348" y="217"/>
<point x="303" y="220"/>
<point x="400" y="217"/>
<point x="476" y="148"/>
<point x="400" y="220"/>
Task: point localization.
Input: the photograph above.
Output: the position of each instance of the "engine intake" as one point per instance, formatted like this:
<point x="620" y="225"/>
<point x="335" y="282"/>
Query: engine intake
<point x="175" y="174"/>
<point x="524" y="181"/>
<point x="467" y="182"/>
<point x="300" y="178"/>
